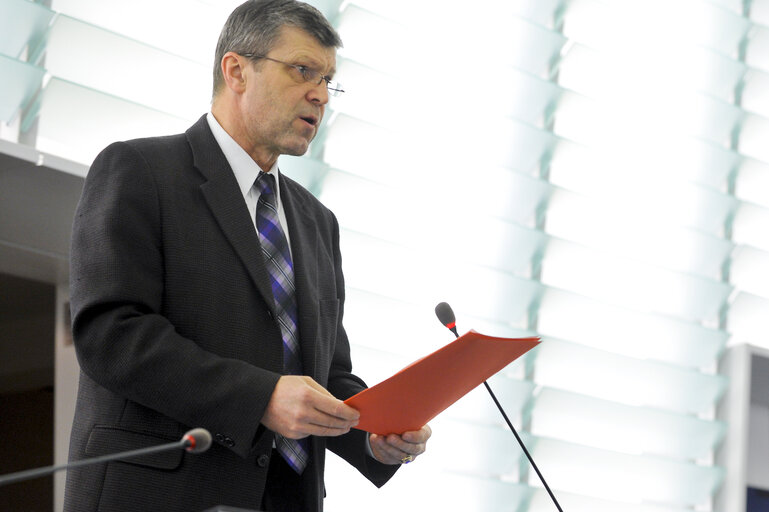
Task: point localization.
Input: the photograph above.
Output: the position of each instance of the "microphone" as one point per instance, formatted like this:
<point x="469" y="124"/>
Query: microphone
<point x="446" y="316"/>
<point x="196" y="441"/>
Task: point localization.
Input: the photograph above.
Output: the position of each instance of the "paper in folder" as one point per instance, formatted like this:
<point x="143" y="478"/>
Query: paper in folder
<point x="415" y="395"/>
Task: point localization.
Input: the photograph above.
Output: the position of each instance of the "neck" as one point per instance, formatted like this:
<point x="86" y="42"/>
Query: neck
<point x="232" y="123"/>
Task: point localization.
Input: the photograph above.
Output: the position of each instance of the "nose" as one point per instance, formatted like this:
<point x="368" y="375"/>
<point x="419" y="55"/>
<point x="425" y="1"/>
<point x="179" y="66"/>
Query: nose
<point x="318" y="94"/>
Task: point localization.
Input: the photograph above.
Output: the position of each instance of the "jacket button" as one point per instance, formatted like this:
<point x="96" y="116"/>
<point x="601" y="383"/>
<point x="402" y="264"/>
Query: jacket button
<point x="263" y="460"/>
<point x="229" y="442"/>
<point x="219" y="438"/>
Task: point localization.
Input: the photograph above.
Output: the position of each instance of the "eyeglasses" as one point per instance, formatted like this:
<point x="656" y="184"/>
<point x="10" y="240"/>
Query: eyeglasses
<point x="306" y="74"/>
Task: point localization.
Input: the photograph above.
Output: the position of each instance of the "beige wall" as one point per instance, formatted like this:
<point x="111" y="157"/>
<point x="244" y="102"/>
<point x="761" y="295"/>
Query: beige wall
<point x="66" y="377"/>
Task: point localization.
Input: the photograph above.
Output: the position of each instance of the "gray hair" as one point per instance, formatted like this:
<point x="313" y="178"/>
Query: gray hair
<point x="254" y="26"/>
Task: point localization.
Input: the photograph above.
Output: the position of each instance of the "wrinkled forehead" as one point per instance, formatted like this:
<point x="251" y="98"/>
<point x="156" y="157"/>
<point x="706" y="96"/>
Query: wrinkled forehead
<point x="300" y="47"/>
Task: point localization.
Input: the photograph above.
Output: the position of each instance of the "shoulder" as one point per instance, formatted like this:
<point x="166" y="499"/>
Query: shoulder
<point x="160" y="149"/>
<point x="146" y="149"/>
<point x="162" y="156"/>
<point x="157" y="151"/>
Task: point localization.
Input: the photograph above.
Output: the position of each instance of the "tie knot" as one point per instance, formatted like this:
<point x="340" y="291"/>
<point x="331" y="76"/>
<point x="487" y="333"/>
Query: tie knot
<point x="266" y="183"/>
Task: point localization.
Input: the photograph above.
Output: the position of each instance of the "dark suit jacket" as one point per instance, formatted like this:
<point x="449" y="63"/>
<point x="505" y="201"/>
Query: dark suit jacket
<point x="173" y="322"/>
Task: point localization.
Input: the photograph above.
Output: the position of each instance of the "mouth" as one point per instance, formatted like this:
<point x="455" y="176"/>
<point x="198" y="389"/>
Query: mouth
<point x="311" y="120"/>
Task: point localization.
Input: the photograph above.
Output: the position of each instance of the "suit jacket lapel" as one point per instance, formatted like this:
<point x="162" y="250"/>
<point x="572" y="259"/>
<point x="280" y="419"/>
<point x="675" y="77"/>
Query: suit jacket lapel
<point x="223" y="196"/>
<point x="304" y="251"/>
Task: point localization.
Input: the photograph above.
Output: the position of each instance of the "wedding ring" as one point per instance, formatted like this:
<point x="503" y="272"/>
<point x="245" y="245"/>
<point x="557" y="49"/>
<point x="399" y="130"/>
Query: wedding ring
<point x="407" y="459"/>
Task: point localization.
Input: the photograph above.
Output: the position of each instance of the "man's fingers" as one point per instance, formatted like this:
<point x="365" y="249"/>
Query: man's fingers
<point x="418" y="436"/>
<point x="300" y="407"/>
<point x="398" y="449"/>
<point x="384" y="451"/>
<point x="330" y="405"/>
<point x="402" y="446"/>
<point x="320" y="389"/>
<point x="309" y="429"/>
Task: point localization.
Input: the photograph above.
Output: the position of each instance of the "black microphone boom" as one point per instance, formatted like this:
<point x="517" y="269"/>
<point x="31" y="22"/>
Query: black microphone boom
<point x="446" y="316"/>
<point x="196" y="440"/>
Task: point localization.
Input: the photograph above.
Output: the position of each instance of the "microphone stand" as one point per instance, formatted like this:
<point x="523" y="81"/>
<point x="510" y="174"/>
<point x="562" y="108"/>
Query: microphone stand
<point x="452" y="327"/>
<point x="189" y="442"/>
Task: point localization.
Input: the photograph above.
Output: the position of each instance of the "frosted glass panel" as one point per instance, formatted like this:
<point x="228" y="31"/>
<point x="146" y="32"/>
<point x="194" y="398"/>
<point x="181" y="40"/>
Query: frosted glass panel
<point x="362" y="32"/>
<point x="541" y="12"/>
<point x="489" y="452"/>
<point x="674" y="162"/>
<point x="647" y="120"/>
<point x="622" y="477"/>
<point x="757" y="51"/>
<point x="478" y="407"/>
<point x="755" y="92"/>
<point x="641" y="204"/>
<point x="105" y="61"/>
<point x="759" y="12"/>
<point x="483" y="244"/>
<point x="425" y="489"/>
<point x="22" y="25"/>
<point x="608" y="327"/>
<point x="641" y="234"/>
<point x="308" y="171"/>
<point x="632" y="284"/>
<point x="587" y="371"/>
<point x="19" y="83"/>
<point x="608" y="425"/>
<point x="519" y="146"/>
<point x="507" y="40"/>
<point x="416" y="318"/>
<point x="76" y="122"/>
<point x="748" y="320"/>
<point x="649" y="74"/>
<point x="513" y="93"/>
<point x="541" y="502"/>
<point x="753" y="138"/>
<point x="751" y="225"/>
<point x="625" y="25"/>
<point x="359" y="205"/>
<point x="192" y="34"/>
<point x="480" y="291"/>
<point x="752" y="183"/>
<point x="750" y="270"/>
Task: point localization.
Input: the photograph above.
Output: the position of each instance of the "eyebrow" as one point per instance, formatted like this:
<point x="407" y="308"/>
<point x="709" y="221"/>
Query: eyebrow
<point x="313" y="64"/>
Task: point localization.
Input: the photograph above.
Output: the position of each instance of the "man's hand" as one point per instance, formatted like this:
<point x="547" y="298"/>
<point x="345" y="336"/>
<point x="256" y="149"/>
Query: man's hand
<point x="300" y="407"/>
<point x="397" y="449"/>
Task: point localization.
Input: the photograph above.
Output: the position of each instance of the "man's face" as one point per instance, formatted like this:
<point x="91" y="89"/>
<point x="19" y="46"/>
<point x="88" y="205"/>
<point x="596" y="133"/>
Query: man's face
<point x="281" y="112"/>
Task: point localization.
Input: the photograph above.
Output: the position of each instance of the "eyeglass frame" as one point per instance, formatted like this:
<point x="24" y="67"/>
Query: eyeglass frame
<point x="308" y="74"/>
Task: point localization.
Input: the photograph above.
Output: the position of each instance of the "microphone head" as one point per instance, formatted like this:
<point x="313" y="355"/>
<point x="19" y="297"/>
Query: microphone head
<point x="446" y="315"/>
<point x="197" y="440"/>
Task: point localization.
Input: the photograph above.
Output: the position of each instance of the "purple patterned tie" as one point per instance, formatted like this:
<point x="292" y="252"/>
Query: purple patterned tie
<point x="278" y="260"/>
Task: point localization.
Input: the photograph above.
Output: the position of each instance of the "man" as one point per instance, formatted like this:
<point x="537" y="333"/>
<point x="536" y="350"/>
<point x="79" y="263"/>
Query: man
<point x="207" y="291"/>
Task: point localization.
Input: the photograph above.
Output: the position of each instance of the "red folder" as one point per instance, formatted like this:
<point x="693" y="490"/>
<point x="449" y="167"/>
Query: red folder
<point x="418" y="393"/>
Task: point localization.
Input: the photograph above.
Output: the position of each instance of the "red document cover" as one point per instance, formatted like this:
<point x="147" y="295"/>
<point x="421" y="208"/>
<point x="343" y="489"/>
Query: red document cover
<point x="418" y="393"/>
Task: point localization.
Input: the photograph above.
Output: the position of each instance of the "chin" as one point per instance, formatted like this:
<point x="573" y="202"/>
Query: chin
<point x="297" y="148"/>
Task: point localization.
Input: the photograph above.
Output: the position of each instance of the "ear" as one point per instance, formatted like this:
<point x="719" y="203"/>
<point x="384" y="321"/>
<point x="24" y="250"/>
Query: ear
<point x="233" y="71"/>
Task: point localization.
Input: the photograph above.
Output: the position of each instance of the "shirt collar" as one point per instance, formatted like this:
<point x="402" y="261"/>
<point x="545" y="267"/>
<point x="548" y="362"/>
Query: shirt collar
<point x="243" y="166"/>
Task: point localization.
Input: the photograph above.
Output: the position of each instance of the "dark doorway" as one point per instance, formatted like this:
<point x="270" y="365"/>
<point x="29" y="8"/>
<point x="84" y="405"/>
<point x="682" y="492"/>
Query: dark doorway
<point x="27" y="328"/>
